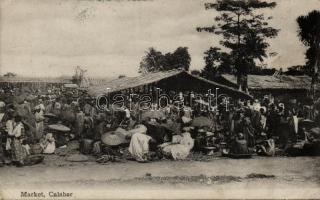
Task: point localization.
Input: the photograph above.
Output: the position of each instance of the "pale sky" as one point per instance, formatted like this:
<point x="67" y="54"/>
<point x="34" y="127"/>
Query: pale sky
<point x="108" y="38"/>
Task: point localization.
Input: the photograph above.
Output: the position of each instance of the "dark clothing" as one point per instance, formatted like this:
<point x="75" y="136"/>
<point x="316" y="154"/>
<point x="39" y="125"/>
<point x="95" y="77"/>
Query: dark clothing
<point x="240" y="147"/>
<point x="99" y="129"/>
<point x="88" y="131"/>
<point x="248" y="131"/>
<point x="283" y="131"/>
<point x="158" y="133"/>
<point x="1" y="149"/>
<point x="273" y="120"/>
<point x="19" y="154"/>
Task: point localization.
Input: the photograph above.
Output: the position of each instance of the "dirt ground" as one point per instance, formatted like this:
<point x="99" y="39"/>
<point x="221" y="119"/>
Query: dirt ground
<point x="258" y="177"/>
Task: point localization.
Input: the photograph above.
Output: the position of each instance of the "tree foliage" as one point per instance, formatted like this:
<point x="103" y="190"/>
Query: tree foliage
<point x="309" y="34"/>
<point x="244" y="33"/>
<point x="195" y="72"/>
<point x="154" y="60"/>
<point x="215" y="62"/>
<point x="297" y="70"/>
<point x="10" y="75"/>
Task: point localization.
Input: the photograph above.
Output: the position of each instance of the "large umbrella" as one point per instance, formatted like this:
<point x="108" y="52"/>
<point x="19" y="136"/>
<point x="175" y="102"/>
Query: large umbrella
<point x="201" y="122"/>
<point x="59" y="127"/>
<point x="307" y="123"/>
<point x="315" y="132"/>
<point x="113" y="138"/>
<point x="153" y="114"/>
<point x="50" y="115"/>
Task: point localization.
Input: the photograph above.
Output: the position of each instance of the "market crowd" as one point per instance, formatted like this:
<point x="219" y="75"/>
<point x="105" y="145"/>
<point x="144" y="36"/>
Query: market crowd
<point x="33" y="125"/>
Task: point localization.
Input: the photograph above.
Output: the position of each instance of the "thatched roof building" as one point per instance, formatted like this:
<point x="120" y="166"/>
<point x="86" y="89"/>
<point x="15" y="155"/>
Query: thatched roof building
<point x="178" y="80"/>
<point x="32" y="82"/>
<point x="282" y="85"/>
<point x="259" y="82"/>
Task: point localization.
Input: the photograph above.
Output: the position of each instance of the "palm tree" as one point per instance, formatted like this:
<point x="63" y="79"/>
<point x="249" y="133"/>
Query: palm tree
<point x="309" y="34"/>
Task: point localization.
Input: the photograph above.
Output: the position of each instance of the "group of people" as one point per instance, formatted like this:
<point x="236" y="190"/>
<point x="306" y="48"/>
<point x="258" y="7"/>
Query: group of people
<point x="244" y="128"/>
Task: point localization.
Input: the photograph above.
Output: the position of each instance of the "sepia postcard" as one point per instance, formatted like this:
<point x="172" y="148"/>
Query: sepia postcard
<point x="159" y="99"/>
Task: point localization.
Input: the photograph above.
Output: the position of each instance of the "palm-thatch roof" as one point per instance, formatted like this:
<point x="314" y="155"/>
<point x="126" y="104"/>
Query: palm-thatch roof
<point x="34" y="80"/>
<point x="260" y="82"/>
<point x="70" y="85"/>
<point x="173" y="79"/>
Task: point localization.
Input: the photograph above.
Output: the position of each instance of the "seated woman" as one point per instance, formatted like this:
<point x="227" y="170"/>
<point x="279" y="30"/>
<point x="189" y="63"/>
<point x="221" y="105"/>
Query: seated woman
<point x="48" y="144"/>
<point x="180" y="146"/>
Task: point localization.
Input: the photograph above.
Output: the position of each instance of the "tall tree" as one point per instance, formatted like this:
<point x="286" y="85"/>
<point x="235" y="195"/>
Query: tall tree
<point x="155" y="61"/>
<point x="309" y="34"/>
<point x="212" y="60"/>
<point x="181" y="58"/>
<point x="215" y="62"/>
<point x="244" y="33"/>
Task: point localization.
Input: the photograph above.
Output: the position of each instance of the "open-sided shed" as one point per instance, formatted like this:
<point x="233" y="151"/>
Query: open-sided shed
<point x="177" y="80"/>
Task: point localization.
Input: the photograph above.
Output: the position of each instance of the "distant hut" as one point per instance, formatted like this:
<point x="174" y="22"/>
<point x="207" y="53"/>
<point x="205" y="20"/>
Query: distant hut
<point x="30" y="82"/>
<point x="279" y="86"/>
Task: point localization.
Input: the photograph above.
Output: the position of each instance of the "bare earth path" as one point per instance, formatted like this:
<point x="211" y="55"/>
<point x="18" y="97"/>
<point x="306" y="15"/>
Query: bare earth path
<point x="279" y="177"/>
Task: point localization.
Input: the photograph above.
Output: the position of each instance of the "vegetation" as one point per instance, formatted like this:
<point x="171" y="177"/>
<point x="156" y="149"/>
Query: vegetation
<point x="10" y="75"/>
<point x="309" y="34"/>
<point x="244" y="33"/>
<point x="155" y="60"/>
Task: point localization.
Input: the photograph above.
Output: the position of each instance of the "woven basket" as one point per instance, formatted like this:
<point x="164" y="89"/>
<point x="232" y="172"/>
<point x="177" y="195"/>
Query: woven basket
<point x="36" y="149"/>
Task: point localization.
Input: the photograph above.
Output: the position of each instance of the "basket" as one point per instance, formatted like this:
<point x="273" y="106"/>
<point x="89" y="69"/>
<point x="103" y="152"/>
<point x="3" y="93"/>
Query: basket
<point x="86" y="146"/>
<point x="36" y="149"/>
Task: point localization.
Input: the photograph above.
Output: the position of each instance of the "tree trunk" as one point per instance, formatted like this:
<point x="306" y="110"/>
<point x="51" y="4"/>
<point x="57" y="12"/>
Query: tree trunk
<point x="242" y="82"/>
<point x="315" y="70"/>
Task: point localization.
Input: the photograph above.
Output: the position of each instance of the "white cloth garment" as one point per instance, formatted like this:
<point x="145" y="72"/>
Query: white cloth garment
<point x="295" y="121"/>
<point x="127" y="111"/>
<point x="27" y="148"/>
<point x="139" y="146"/>
<point x="263" y="121"/>
<point x="1" y="116"/>
<point x="2" y="104"/>
<point x="13" y="129"/>
<point x="42" y="107"/>
<point x="48" y="144"/>
<point x="181" y="149"/>
<point x="50" y="148"/>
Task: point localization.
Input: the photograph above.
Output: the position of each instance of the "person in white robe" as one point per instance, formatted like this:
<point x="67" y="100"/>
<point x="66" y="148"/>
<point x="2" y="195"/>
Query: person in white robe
<point x="139" y="144"/>
<point x="180" y="146"/>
